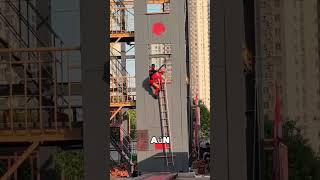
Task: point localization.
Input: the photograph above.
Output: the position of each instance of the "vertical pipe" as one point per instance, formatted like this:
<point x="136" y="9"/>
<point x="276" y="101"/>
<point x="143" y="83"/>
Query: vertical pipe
<point x="40" y="90"/>
<point x="11" y="97"/>
<point x="69" y="92"/>
<point x="189" y="95"/>
<point x="129" y="124"/>
<point x="123" y="19"/>
<point x="61" y="74"/>
<point x="55" y="89"/>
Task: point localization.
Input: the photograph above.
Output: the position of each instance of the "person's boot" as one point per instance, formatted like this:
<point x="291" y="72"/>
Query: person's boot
<point x="155" y="96"/>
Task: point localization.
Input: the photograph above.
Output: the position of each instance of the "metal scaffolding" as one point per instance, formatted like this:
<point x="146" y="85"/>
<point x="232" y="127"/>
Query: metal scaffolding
<point x="40" y="96"/>
<point x="33" y="92"/>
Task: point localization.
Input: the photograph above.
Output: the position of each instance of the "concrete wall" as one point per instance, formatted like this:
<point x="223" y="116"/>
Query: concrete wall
<point x="148" y="117"/>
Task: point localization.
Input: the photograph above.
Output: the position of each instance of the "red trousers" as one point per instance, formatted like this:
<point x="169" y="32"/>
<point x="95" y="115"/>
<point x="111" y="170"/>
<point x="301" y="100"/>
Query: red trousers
<point x="157" y="88"/>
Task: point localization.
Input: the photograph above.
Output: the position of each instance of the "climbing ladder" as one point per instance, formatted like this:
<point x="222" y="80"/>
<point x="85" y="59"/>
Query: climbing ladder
<point x="165" y="124"/>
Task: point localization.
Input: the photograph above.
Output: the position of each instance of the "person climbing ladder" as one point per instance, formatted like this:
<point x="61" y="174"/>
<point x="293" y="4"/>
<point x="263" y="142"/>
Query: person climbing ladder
<point x="156" y="79"/>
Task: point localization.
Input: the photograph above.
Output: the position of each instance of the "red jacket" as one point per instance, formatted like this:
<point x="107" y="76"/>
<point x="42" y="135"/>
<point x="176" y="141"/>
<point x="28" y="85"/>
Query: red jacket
<point x="156" y="77"/>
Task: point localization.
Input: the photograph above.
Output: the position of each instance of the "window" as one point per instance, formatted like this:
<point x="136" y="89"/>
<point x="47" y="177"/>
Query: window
<point x="160" y="54"/>
<point x="266" y="105"/>
<point x="153" y="6"/>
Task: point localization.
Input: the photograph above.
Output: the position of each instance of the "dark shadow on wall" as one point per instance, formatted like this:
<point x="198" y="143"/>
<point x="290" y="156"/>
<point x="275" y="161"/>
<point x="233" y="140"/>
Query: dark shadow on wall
<point x="147" y="86"/>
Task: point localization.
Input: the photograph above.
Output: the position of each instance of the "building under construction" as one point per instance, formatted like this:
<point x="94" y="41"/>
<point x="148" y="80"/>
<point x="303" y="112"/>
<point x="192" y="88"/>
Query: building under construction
<point x="40" y="88"/>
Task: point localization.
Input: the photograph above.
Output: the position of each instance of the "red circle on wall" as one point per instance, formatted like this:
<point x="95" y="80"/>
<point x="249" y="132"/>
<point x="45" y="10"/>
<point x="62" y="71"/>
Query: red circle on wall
<point x="158" y="28"/>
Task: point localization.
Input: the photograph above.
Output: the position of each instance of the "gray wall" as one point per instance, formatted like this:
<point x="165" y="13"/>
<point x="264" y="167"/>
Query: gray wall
<point x="148" y="117"/>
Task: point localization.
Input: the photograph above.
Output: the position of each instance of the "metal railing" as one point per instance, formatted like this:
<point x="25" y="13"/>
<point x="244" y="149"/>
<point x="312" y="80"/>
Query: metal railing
<point x="34" y="99"/>
<point x="121" y="17"/>
<point x="122" y="89"/>
<point x="40" y="92"/>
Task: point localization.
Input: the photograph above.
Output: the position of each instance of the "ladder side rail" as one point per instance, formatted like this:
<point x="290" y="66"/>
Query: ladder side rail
<point x="168" y="122"/>
<point x="162" y="97"/>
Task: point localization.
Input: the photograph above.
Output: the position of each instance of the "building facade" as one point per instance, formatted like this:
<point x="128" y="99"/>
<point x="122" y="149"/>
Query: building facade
<point x="199" y="49"/>
<point x="290" y="58"/>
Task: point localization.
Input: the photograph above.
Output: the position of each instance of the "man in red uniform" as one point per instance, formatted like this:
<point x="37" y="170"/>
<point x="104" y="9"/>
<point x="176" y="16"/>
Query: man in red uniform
<point x="156" y="79"/>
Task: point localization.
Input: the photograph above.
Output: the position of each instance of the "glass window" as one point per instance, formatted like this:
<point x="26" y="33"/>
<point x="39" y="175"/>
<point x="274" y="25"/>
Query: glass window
<point x="154" y="7"/>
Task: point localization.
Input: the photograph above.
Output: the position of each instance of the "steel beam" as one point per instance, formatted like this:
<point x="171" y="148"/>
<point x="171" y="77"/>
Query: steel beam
<point x="94" y="34"/>
<point x="116" y="112"/>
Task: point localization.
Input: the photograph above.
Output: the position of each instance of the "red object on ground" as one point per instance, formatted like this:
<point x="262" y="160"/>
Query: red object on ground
<point x="158" y="28"/>
<point x="120" y="171"/>
<point x="161" y="146"/>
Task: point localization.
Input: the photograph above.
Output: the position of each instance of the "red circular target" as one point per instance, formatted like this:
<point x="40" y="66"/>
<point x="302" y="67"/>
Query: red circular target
<point x="158" y="28"/>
